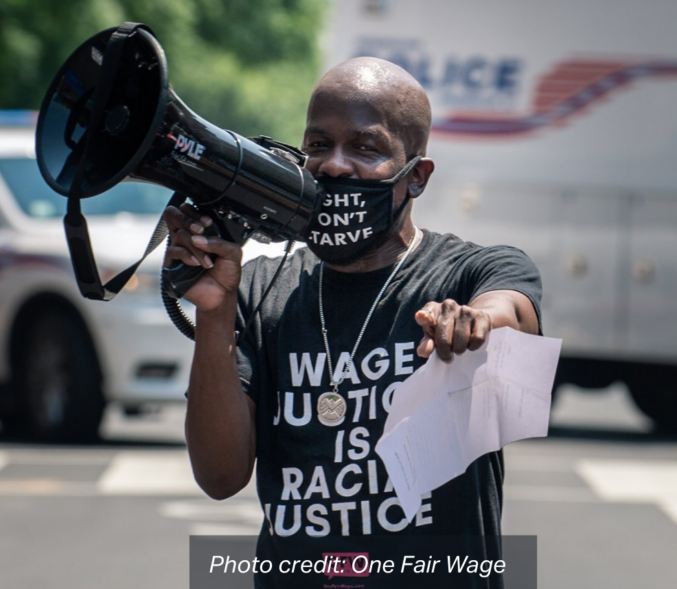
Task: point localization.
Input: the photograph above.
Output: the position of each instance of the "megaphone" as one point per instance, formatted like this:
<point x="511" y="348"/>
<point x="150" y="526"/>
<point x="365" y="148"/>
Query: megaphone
<point x="110" y="116"/>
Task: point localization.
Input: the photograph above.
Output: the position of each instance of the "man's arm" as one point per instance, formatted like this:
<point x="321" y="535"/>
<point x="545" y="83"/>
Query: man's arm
<point x="220" y="419"/>
<point x="452" y="328"/>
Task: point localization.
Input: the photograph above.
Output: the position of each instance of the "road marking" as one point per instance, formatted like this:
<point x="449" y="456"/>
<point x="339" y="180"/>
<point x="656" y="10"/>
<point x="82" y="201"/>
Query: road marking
<point x="223" y="530"/>
<point x="46" y="486"/>
<point x="538" y="463"/>
<point x="60" y="458"/>
<point x="670" y="509"/>
<point x="149" y="473"/>
<point x="544" y="493"/>
<point x="232" y="511"/>
<point x="164" y="473"/>
<point x="630" y="481"/>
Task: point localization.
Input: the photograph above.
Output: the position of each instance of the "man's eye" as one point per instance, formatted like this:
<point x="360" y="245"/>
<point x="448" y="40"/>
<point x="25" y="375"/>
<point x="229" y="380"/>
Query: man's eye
<point x="366" y="148"/>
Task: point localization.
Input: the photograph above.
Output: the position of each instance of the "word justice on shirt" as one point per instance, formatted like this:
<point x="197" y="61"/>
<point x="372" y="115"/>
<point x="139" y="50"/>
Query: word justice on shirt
<point x="348" y="494"/>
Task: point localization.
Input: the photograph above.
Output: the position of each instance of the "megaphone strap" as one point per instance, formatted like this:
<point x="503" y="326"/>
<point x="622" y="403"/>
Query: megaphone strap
<point x="82" y="256"/>
<point x="109" y="67"/>
<point x="77" y="234"/>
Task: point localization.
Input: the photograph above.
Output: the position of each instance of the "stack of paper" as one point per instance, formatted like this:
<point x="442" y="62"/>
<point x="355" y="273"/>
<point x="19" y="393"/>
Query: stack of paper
<point x="444" y="416"/>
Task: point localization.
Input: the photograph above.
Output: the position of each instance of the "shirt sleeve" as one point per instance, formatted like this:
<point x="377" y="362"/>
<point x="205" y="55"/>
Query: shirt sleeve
<point x="256" y="354"/>
<point x="250" y="361"/>
<point x="246" y="365"/>
<point x="503" y="268"/>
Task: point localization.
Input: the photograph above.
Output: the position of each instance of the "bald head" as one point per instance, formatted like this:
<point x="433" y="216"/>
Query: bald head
<point x="390" y="90"/>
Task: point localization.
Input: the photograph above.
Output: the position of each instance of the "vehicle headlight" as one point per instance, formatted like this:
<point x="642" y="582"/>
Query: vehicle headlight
<point x="143" y="282"/>
<point x="140" y="283"/>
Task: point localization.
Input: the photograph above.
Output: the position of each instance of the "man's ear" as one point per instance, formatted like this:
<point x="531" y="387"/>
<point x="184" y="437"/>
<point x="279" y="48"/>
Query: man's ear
<point x="419" y="176"/>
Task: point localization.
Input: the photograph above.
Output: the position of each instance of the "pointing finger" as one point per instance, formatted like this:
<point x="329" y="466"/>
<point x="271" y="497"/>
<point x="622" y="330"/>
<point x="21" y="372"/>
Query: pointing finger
<point x="425" y="347"/>
<point x="427" y="317"/>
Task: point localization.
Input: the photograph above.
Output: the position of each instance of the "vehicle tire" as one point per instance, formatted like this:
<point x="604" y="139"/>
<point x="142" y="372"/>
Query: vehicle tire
<point x="658" y="402"/>
<point x="58" y="378"/>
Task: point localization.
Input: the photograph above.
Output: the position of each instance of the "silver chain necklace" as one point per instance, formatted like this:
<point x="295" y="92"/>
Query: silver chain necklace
<point x="331" y="407"/>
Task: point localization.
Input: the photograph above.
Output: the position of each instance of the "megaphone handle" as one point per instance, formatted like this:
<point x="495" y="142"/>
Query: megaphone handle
<point x="179" y="277"/>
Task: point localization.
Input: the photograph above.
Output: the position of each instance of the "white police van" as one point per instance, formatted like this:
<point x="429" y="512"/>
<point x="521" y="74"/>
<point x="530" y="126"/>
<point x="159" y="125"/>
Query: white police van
<point x="555" y="131"/>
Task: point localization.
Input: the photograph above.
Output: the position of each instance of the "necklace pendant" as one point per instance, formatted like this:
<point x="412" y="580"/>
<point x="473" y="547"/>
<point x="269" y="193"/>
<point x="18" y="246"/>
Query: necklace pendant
<point x="331" y="408"/>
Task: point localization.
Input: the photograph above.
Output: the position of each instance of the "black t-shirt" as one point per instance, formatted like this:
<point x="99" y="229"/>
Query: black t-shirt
<point x="315" y="480"/>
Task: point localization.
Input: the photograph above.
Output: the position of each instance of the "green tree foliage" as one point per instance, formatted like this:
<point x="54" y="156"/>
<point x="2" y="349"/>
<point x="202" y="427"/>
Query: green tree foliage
<point x="247" y="65"/>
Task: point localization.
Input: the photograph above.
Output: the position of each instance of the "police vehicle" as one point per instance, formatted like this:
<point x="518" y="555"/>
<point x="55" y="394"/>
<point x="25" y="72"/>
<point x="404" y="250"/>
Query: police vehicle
<point x="555" y="131"/>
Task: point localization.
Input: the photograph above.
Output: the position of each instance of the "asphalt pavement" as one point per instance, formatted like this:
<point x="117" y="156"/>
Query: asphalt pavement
<point x="600" y="493"/>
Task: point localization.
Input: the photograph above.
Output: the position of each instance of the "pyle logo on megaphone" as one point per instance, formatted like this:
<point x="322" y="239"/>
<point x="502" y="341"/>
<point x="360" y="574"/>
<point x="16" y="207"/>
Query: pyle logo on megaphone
<point x="190" y="147"/>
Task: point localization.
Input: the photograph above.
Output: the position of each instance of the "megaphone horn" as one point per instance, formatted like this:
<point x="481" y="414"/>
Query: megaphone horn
<point x="110" y="116"/>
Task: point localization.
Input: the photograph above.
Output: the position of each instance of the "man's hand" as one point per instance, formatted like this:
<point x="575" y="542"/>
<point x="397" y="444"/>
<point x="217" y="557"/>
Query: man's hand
<point x="220" y="418"/>
<point x="451" y="328"/>
<point x="190" y="246"/>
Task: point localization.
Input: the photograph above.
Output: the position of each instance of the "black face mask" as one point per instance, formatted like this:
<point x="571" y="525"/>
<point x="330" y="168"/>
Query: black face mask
<point x="356" y="215"/>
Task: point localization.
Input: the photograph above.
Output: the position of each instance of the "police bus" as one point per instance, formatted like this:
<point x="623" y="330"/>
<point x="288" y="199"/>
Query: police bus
<point x="554" y="130"/>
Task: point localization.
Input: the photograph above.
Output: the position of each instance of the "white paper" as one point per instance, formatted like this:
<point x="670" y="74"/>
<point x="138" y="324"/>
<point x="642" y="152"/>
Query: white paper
<point x="445" y="416"/>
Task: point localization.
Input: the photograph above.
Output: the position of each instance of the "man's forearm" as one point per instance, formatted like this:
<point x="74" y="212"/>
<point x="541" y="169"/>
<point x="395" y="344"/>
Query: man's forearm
<point x="220" y="426"/>
<point x="507" y="308"/>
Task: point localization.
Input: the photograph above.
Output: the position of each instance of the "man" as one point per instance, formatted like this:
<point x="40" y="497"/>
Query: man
<point x="307" y="393"/>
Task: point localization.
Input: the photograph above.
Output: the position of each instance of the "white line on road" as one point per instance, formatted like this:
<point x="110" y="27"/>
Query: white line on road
<point x="60" y="458"/>
<point x="553" y="494"/>
<point x="243" y="512"/>
<point x="670" y="509"/>
<point x="149" y="473"/>
<point x="223" y="530"/>
<point x="164" y="473"/>
<point x="631" y="481"/>
<point x="38" y="487"/>
<point x="538" y="463"/>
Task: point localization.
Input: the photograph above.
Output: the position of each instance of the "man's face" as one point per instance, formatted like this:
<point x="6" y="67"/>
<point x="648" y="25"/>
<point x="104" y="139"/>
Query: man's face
<point x="353" y="139"/>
